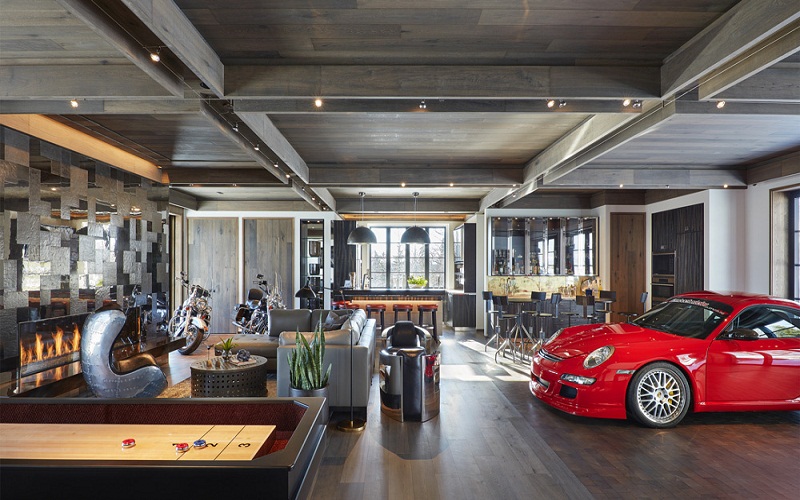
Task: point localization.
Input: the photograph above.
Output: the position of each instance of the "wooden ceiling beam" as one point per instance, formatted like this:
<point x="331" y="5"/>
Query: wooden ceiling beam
<point x="749" y="65"/>
<point x="736" y="31"/>
<point x="113" y="33"/>
<point x="49" y="82"/>
<point x="776" y="84"/>
<point x="414" y="175"/>
<point x="406" y="205"/>
<point x="280" y="106"/>
<point x="442" y="82"/>
<point x="774" y="168"/>
<point x="643" y="178"/>
<point x="221" y="176"/>
<point x="100" y="107"/>
<point x="170" y="25"/>
<point x="273" y="139"/>
<point x="258" y="156"/>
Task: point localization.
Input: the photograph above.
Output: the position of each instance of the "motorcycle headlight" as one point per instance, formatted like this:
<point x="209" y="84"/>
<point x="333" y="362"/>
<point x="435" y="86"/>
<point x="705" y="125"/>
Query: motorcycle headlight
<point x="598" y="356"/>
<point x="201" y="305"/>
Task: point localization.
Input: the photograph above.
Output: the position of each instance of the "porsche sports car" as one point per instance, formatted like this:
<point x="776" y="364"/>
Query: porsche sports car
<point x="703" y="351"/>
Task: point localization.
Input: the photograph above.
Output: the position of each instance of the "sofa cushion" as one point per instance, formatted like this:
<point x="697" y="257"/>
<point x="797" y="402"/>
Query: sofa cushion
<point x="335" y="320"/>
<point x="281" y="320"/>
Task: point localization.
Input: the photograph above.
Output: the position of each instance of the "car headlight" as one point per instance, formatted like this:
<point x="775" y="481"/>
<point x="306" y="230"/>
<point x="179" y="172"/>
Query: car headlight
<point x="553" y="336"/>
<point x="577" y="379"/>
<point x="598" y="356"/>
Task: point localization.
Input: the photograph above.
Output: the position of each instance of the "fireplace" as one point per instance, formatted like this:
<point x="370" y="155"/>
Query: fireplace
<point x="49" y="349"/>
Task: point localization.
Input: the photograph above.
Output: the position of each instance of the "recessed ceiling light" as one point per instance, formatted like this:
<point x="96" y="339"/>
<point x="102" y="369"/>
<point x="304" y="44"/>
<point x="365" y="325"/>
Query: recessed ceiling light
<point x="451" y="184"/>
<point x="720" y="104"/>
<point x="318" y="102"/>
<point x="73" y="103"/>
<point x="551" y="103"/>
<point x="622" y="186"/>
<point x="626" y="102"/>
<point x="725" y="186"/>
<point x="403" y="184"/>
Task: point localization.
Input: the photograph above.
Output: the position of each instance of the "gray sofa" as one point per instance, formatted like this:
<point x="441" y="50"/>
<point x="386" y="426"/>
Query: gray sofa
<point x="283" y="325"/>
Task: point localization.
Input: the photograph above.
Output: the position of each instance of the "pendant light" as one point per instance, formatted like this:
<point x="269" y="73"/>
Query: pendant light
<point x="361" y="234"/>
<point x="415" y="234"/>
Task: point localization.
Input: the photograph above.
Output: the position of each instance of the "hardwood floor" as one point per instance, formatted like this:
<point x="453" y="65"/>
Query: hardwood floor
<point x="493" y="439"/>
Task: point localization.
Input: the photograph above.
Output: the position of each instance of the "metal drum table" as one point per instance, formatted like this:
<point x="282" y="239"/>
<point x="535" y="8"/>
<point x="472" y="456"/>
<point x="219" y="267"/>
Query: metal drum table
<point x="217" y="378"/>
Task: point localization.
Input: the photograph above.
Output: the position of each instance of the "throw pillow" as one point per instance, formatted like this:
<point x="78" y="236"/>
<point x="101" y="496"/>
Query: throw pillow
<point x="334" y="321"/>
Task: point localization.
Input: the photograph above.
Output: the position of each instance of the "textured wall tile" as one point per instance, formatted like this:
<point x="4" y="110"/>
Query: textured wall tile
<point x="16" y="146"/>
<point x="60" y="264"/>
<point x="128" y="261"/>
<point x="86" y="248"/>
<point x="28" y="229"/>
<point x="13" y="299"/>
<point x="8" y="332"/>
<point x="44" y="294"/>
<point x="79" y="182"/>
<point x="50" y="282"/>
<point x="10" y="275"/>
<point x="78" y="306"/>
<point x="109" y="273"/>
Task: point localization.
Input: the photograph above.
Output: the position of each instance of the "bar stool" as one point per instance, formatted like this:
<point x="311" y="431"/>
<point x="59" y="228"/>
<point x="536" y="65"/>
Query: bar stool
<point x="491" y="317"/>
<point x="630" y="315"/>
<point x="538" y="299"/>
<point x="607" y="297"/>
<point x="429" y="308"/>
<point x="339" y="304"/>
<point x="504" y="319"/>
<point x="352" y="306"/>
<point x="585" y="301"/>
<point x="570" y="315"/>
<point x="402" y="308"/>
<point x="555" y="300"/>
<point x="378" y="309"/>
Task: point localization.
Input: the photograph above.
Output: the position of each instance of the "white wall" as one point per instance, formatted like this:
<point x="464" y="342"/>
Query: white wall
<point x="756" y="235"/>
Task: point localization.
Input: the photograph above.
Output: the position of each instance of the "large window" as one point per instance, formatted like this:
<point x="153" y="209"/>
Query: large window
<point x="391" y="263"/>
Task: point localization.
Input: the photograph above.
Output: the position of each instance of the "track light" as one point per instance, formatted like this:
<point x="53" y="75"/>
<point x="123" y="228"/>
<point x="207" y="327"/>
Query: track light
<point x="562" y="103"/>
<point x="422" y="105"/>
<point x="402" y="184"/>
<point x="720" y="104"/>
<point x="318" y="102"/>
<point x="256" y="147"/>
<point x="621" y="186"/>
<point x="551" y="103"/>
<point x="156" y="56"/>
<point x="235" y="127"/>
<point x="637" y="104"/>
<point x="73" y="103"/>
<point x="626" y="102"/>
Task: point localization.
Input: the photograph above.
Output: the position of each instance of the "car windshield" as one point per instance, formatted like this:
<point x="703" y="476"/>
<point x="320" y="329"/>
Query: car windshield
<point x="685" y="317"/>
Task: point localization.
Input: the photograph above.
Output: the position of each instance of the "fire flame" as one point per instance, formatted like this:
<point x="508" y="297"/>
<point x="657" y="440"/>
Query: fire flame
<point x="42" y="349"/>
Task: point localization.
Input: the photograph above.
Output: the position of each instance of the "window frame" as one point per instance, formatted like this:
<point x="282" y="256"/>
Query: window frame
<point x="793" y="231"/>
<point x="407" y="257"/>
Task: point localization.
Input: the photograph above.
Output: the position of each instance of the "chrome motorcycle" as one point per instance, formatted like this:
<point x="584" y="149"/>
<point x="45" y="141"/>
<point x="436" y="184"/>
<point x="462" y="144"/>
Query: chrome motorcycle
<point x="192" y="319"/>
<point x="253" y="316"/>
<point x="243" y="313"/>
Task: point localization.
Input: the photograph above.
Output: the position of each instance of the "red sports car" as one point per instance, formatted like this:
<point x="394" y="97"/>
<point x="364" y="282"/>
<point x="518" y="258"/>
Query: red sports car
<point x="705" y="351"/>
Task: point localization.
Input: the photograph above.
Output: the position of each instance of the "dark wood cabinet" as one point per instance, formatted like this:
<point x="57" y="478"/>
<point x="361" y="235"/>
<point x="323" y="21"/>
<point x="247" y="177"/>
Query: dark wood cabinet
<point x="344" y="255"/>
<point x="465" y="254"/>
<point x="689" y="262"/>
<point x="664" y="231"/>
<point x="682" y="231"/>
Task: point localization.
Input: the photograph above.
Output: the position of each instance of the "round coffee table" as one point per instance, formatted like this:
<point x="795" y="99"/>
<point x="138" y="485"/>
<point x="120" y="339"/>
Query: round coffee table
<point x="217" y="378"/>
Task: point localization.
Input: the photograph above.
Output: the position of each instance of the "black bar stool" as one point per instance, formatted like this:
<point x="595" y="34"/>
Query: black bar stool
<point x="429" y="308"/>
<point x="402" y="308"/>
<point x="603" y="309"/>
<point x="491" y="318"/>
<point x="379" y="309"/>
<point x="631" y="315"/>
<point x="538" y="299"/>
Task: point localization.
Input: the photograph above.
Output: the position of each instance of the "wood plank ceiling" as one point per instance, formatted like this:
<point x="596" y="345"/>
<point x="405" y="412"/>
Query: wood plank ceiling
<point x="513" y="103"/>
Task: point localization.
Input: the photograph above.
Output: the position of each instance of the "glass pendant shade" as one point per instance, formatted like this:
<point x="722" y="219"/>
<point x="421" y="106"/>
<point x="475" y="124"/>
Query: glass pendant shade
<point x="361" y="234"/>
<point x="415" y="234"/>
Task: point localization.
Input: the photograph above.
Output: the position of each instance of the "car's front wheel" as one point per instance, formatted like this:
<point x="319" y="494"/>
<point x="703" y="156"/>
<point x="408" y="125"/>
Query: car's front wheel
<point x="659" y="395"/>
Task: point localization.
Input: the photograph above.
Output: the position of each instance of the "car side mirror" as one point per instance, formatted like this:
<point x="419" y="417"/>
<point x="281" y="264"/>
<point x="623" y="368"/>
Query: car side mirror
<point x="742" y="334"/>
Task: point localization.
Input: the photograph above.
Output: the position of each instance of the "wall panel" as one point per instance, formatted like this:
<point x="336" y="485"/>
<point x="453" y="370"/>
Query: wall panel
<point x="269" y="250"/>
<point x="628" y="263"/>
<point x="214" y="264"/>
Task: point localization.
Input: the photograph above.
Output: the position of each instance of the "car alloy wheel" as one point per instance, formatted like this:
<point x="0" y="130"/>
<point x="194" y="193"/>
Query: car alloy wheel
<point x="659" y="395"/>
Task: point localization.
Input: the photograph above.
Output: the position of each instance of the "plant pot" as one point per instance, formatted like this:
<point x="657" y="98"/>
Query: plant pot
<point x="314" y="393"/>
<point x="226" y="354"/>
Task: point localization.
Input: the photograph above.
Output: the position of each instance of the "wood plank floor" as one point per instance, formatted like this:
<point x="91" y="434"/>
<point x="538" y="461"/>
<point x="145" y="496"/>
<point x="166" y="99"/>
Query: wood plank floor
<point x="493" y="439"/>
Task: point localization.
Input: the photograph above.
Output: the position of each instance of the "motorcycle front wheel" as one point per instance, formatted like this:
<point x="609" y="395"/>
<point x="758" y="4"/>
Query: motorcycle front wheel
<point x="194" y="337"/>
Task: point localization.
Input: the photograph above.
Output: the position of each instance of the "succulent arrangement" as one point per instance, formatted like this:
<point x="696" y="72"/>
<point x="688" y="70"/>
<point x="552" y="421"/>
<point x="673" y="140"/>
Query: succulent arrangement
<point x="227" y="344"/>
<point x="305" y="362"/>
<point x="417" y="280"/>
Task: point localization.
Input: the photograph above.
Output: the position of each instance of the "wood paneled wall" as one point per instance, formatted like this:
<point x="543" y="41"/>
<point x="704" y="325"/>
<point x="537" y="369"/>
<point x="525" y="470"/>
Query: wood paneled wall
<point x="213" y="263"/>
<point x="344" y="255"/>
<point x="628" y="261"/>
<point x="269" y="249"/>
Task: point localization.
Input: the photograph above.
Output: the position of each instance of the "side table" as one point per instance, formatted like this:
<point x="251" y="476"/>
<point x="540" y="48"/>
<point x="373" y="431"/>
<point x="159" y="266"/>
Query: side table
<point x="217" y="378"/>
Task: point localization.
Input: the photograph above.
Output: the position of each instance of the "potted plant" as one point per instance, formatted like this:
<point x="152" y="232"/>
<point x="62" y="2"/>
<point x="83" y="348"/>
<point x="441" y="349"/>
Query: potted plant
<point x="227" y="345"/>
<point x="306" y="375"/>
<point x="417" y="281"/>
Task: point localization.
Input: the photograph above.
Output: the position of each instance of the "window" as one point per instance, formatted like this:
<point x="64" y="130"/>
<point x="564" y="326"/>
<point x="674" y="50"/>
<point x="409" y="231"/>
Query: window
<point x="794" y="244"/>
<point x="768" y="322"/>
<point x="391" y="262"/>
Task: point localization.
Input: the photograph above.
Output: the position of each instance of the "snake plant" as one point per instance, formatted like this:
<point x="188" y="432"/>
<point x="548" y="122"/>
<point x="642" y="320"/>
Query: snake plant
<point x="305" y="363"/>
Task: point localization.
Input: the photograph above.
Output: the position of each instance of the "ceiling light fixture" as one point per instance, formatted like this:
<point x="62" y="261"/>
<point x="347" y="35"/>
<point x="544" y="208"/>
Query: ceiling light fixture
<point x="361" y="234"/>
<point x="156" y="56"/>
<point x="626" y="102"/>
<point x="422" y="105"/>
<point x="551" y="103"/>
<point x="720" y="104"/>
<point x="637" y="104"/>
<point x="621" y="186"/>
<point x="415" y="234"/>
<point x="451" y="184"/>
<point x="73" y="103"/>
<point x="318" y="102"/>
<point x="725" y="186"/>
<point x="235" y="127"/>
<point x="562" y="103"/>
<point x="402" y="184"/>
<point x="256" y="147"/>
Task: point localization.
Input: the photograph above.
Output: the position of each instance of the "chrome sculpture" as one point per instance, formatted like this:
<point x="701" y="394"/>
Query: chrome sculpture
<point x="136" y="377"/>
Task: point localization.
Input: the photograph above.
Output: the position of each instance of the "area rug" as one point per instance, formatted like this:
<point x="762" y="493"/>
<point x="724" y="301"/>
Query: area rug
<point x="183" y="389"/>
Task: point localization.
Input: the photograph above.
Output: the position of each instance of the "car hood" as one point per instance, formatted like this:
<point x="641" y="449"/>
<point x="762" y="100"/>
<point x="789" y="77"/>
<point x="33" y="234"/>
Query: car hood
<point x="581" y="340"/>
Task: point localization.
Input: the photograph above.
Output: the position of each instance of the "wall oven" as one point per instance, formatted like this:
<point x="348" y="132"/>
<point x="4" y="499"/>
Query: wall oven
<point x="662" y="288"/>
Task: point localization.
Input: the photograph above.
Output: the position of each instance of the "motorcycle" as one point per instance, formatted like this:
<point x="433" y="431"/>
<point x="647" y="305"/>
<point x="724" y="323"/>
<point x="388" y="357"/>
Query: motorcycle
<point x="252" y="317"/>
<point x="191" y="320"/>
<point x="153" y="319"/>
<point x="243" y="313"/>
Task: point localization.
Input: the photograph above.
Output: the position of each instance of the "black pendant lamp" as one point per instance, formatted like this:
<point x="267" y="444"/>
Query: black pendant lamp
<point x="361" y="234"/>
<point x="415" y="234"/>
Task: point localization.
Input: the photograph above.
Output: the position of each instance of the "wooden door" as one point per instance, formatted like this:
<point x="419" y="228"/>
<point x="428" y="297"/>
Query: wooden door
<point x="269" y="250"/>
<point x="628" y="263"/>
<point x="214" y="264"/>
